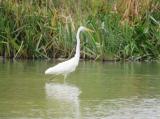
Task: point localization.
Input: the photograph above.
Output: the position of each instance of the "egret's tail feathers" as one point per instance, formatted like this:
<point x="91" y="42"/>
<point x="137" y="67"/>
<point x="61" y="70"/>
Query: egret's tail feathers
<point x="48" y="71"/>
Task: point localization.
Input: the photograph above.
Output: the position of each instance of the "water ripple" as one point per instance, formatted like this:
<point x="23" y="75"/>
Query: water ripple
<point x="124" y="109"/>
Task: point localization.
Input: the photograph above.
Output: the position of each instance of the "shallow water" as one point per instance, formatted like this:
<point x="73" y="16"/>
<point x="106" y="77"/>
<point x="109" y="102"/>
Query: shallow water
<point x="94" y="91"/>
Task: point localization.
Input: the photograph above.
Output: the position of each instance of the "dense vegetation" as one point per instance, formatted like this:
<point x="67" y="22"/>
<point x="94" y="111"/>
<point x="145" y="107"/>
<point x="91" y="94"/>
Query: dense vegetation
<point x="124" y="29"/>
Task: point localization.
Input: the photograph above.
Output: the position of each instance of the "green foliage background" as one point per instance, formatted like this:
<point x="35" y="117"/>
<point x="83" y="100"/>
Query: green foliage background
<point x="47" y="29"/>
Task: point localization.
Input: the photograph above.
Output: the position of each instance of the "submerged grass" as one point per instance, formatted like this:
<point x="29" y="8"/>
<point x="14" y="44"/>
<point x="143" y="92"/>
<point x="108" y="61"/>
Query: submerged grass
<point x="124" y="29"/>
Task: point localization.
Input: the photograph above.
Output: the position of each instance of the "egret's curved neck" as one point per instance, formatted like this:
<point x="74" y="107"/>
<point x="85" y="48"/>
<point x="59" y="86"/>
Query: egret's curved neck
<point x="77" y="55"/>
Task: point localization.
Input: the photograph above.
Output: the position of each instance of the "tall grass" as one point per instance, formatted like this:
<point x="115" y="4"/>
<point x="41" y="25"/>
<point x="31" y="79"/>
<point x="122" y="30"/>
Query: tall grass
<point x="124" y="29"/>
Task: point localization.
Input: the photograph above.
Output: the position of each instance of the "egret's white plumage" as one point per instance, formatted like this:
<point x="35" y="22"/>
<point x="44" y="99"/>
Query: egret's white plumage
<point x="70" y="65"/>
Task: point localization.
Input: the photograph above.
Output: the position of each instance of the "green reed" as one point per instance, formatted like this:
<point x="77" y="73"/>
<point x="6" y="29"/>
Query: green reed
<point x="47" y="29"/>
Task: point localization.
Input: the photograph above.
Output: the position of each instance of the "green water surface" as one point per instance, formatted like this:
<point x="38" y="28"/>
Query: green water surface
<point x="95" y="90"/>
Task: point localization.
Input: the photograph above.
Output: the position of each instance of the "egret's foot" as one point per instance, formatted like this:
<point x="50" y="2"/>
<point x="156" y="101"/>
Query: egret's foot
<point x="64" y="81"/>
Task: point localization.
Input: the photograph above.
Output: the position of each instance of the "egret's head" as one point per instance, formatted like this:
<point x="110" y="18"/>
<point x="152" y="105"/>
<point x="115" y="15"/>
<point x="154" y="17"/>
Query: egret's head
<point x="82" y="28"/>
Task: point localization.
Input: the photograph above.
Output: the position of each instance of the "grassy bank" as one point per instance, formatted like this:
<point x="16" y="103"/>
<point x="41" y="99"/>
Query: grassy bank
<point x="124" y="29"/>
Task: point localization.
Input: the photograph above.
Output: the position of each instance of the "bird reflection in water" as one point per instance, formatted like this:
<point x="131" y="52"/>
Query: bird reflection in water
<point x="63" y="100"/>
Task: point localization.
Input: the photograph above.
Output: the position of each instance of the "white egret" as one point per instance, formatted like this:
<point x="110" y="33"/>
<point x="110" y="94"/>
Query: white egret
<point x="70" y="65"/>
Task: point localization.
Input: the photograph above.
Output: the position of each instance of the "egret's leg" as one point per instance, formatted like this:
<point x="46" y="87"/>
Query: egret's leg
<point x="65" y="76"/>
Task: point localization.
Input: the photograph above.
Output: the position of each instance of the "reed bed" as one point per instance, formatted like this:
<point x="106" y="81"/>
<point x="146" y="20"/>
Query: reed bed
<point x="124" y="29"/>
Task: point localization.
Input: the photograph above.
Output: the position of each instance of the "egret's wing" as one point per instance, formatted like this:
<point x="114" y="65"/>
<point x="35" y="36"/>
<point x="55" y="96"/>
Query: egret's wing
<point x="62" y="68"/>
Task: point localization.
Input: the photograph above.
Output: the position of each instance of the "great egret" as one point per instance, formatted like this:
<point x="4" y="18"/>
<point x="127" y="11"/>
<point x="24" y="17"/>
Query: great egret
<point x="70" y="65"/>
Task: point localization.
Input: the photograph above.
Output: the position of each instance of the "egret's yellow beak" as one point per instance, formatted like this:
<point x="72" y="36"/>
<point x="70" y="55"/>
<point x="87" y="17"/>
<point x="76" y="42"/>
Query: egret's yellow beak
<point x="89" y="30"/>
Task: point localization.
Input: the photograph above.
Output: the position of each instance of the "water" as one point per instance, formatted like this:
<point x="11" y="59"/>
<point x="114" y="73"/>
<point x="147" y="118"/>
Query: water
<point x="95" y="91"/>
